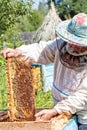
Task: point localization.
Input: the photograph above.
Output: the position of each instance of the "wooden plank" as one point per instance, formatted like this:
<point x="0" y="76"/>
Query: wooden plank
<point x="31" y="125"/>
<point x="56" y="123"/>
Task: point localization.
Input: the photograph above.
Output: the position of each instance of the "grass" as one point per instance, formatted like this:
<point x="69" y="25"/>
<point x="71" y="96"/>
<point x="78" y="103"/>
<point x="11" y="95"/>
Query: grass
<point x="3" y="90"/>
<point x="44" y="100"/>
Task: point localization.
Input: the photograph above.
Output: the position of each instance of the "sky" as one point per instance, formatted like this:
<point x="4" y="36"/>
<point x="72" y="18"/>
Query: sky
<point x="35" y="6"/>
<point x="37" y="2"/>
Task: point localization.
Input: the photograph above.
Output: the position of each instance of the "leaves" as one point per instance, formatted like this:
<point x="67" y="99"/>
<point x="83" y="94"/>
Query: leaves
<point x="68" y="8"/>
<point x="10" y="11"/>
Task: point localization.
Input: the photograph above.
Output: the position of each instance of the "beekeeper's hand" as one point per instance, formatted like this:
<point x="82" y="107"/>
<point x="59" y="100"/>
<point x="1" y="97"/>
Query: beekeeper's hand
<point x="46" y="114"/>
<point x="9" y="52"/>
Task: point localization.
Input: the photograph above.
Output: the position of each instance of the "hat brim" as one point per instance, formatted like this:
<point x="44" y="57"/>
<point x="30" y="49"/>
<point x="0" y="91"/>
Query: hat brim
<point x="63" y="33"/>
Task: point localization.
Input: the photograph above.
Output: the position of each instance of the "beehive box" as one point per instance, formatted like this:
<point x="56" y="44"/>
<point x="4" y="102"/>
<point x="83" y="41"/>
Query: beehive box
<point x="43" y="77"/>
<point x="47" y="77"/>
<point x="58" y="123"/>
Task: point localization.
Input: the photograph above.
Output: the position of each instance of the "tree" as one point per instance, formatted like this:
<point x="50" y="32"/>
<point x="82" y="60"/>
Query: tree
<point x="68" y="8"/>
<point x="64" y="9"/>
<point x="35" y="19"/>
<point x="30" y="22"/>
<point x="10" y="11"/>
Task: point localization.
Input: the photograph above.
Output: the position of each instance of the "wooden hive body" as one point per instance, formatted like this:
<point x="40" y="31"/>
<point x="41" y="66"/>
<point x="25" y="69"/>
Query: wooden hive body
<point x="61" y="122"/>
<point x="20" y="90"/>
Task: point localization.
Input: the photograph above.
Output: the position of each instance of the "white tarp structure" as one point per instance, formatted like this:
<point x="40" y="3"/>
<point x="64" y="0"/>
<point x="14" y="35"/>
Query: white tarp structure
<point x="47" y="29"/>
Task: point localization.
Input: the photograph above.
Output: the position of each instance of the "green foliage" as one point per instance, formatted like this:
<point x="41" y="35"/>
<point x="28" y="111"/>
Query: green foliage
<point x="79" y="6"/>
<point x="35" y="19"/>
<point x="10" y="11"/>
<point x="27" y="23"/>
<point x="64" y="9"/>
<point x="30" y="22"/>
<point x="44" y="100"/>
<point x="68" y="8"/>
<point x="24" y="25"/>
<point x="3" y="86"/>
<point x="11" y="38"/>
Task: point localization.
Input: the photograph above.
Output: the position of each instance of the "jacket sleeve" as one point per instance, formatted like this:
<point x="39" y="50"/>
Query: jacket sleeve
<point x="76" y="102"/>
<point x="42" y="53"/>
